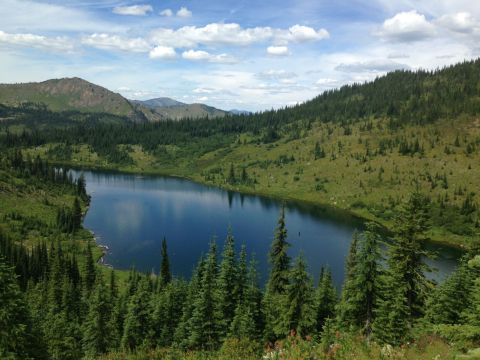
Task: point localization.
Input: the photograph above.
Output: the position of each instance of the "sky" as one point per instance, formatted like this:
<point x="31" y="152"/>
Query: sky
<point x="250" y="55"/>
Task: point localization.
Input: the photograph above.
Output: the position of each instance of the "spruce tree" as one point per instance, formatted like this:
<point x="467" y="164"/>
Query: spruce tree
<point x="299" y="313"/>
<point x="227" y="283"/>
<point x="137" y="320"/>
<point x="406" y="254"/>
<point x="326" y="299"/>
<point x="357" y="310"/>
<point x="165" y="275"/>
<point x="17" y="338"/>
<point x="206" y="317"/>
<point x="96" y="327"/>
<point x="279" y="259"/>
<point x="277" y="282"/>
<point x="89" y="269"/>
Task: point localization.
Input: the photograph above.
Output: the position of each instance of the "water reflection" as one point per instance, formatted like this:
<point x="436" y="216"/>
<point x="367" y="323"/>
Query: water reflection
<point x="131" y="214"/>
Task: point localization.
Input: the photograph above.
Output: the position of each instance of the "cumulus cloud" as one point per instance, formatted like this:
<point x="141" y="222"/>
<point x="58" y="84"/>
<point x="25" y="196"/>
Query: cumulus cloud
<point x="407" y="27"/>
<point x="462" y="22"/>
<point x="162" y="52"/>
<point x="234" y="34"/>
<point x="166" y="12"/>
<point x="116" y="42"/>
<point x="37" y="41"/>
<point x="372" y="66"/>
<point x="200" y="55"/>
<point x="184" y="12"/>
<point x="134" y="10"/>
<point x="277" y="50"/>
<point x="305" y="33"/>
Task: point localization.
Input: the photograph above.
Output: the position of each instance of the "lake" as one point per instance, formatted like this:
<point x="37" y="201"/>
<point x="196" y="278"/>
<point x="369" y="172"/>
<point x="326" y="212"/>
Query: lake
<point x="131" y="214"/>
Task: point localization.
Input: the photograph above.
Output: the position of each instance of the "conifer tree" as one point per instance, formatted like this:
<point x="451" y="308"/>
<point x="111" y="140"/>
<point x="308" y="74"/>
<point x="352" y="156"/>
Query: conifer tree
<point x="76" y="215"/>
<point x="89" y="269"/>
<point x="17" y="338"/>
<point x="183" y="330"/>
<point x="277" y="282"/>
<point x="357" y="310"/>
<point x="165" y="275"/>
<point x="227" y="283"/>
<point x="299" y="308"/>
<point x="326" y="299"/>
<point x="407" y="254"/>
<point x="96" y="328"/>
<point x="206" y="317"/>
<point x="279" y="259"/>
<point x="137" y="320"/>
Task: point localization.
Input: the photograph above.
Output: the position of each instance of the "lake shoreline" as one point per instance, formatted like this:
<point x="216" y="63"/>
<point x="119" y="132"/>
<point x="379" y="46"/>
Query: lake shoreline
<point x="248" y="191"/>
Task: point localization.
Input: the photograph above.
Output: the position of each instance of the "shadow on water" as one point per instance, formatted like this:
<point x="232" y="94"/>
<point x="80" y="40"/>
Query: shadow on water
<point x="132" y="213"/>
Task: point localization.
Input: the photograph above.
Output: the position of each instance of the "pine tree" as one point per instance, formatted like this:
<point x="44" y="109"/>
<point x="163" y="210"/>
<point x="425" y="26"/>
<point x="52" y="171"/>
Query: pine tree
<point x="356" y="310"/>
<point x="183" y="330"/>
<point x="278" y="281"/>
<point x="137" y="321"/>
<point x="326" y="299"/>
<point x="227" y="283"/>
<point x="248" y="319"/>
<point x="299" y="314"/>
<point x="76" y="215"/>
<point x="165" y="275"/>
<point x="17" y="338"/>
<point x="206" y="317"/>
<point x="96" y="328"/>
<point x="279" y="259"/>
<point x="406" y="253"/>
<point x="89" y="269"/>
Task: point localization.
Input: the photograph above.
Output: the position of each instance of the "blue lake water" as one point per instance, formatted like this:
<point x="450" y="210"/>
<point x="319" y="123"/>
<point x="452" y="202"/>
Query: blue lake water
<point x="131" y="214"/>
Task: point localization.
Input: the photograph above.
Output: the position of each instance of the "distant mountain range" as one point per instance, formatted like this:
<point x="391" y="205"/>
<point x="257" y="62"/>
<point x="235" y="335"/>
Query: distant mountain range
<point x="76" y="94"/>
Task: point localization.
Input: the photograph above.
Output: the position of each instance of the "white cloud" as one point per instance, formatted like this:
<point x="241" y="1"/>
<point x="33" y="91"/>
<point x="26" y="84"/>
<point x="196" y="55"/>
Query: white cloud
<point x="304" y="33"/>
<point x="203" y="90"/>
<point x="371" y="66"/>
<point x="278" y="50"/>
<point x="115" y="42"/>
<point x="162" y="52"/>
<point x="462" y="22"/>
<point x="234" y="34"/>
<point x="134" y="10"/>
<point x="202" y="99"/>
<point x="166" y="12"/>
<point x="62" y="44"/>
<point x="406" y="27"/>
<point x="200" y="55"/>
<point x="31" y="16"/>
<point x="184" y="12"/>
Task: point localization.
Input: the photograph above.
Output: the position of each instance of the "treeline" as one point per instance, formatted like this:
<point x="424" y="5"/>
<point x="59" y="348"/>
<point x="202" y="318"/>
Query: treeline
<point x="60" y="306"/>
<point x="418" y="97"/>
<point x="37" y="168"/>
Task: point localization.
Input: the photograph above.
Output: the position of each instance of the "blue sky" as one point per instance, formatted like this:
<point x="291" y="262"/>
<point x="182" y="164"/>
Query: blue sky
<point x="249" y="55"/>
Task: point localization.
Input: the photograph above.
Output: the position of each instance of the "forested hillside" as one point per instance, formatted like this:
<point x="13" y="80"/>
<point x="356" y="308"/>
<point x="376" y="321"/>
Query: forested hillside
<point x="362" y="148"/>
<point x="402" y="151"/>
<point x="58" y="304"/>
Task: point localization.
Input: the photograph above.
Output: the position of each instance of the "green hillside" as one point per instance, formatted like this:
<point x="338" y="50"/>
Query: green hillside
<point x="361" y="148"/>
<point x="66" y="95"/>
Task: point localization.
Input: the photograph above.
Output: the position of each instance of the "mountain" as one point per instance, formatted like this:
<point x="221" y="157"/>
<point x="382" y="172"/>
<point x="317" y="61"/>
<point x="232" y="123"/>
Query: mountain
<point x="167" y="108"/>
<point x="75" y="94"/>
<point x="159" y="102"/>
<point x="239" y="112"/>
<point x="69" y="94"/>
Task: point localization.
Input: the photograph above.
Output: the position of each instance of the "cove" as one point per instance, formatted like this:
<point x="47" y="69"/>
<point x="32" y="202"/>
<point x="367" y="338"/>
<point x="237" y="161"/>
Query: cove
<point x="130" y="214"/>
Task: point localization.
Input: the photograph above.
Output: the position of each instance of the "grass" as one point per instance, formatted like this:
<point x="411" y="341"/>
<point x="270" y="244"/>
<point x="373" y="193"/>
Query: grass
<point x="352" y="176"/>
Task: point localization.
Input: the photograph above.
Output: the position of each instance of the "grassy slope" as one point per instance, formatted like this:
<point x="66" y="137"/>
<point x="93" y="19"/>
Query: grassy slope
<point x="35" y="207"/>
<point x="369" y="188"/>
